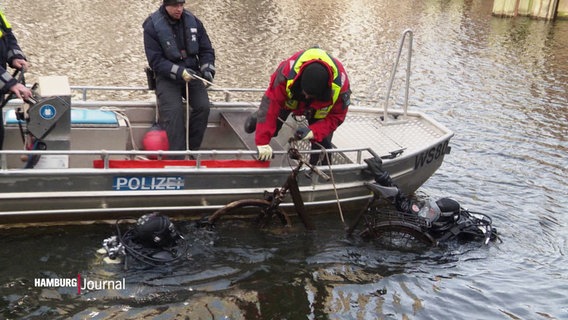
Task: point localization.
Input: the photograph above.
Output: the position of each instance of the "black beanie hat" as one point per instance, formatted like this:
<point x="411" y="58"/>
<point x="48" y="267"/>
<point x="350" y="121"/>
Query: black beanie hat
<point x="315" y="79"/>
<point x="168" y="2"/>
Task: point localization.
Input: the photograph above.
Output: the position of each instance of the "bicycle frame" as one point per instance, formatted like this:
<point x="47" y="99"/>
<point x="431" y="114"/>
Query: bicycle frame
<point x="291" y="185"/>
<point x="272" y="201"/>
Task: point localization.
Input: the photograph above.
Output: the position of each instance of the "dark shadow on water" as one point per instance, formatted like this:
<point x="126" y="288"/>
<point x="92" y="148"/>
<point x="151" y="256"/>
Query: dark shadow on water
<point x="232" y="268"/>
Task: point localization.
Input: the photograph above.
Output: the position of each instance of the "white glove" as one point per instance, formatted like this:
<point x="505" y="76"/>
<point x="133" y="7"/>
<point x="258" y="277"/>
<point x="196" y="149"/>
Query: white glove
<point x="187" y="75"/>
<point x="304" y="133"/>
<point x="309" y="136"/>
<point x="264" y="152"/>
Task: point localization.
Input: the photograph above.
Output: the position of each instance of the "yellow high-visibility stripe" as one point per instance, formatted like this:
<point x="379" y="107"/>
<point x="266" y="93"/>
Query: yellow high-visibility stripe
<point x="5" y="24"/>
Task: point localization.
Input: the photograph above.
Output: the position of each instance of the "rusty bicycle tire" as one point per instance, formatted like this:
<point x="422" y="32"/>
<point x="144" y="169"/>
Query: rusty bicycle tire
<point x="262" y="217"/>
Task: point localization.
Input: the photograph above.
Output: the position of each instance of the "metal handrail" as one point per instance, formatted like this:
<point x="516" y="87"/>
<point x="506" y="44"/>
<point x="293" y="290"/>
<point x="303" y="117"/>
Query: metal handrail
<point x="84" y="90"/>
<point x="410" y="35"/>
<point x="198" y="155"/>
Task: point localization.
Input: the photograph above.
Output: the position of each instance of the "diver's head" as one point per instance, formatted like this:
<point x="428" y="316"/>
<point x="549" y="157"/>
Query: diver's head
<point x="155" y="230"/>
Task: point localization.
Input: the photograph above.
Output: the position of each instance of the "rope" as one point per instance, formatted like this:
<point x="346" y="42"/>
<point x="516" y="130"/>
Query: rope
<point x="327" y="157"/>
<point x="121" y="115"/>
<point x="157" y="113"/>
<point x="187" y="116"/>
<point x="209" y="83"/>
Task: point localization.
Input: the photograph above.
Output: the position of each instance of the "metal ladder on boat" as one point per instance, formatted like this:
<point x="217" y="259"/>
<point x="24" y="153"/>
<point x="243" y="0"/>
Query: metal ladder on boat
<point x="406" y="35"/>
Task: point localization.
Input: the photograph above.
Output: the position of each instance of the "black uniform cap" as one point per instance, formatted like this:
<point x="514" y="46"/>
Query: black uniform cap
<point x="168" y="2"/>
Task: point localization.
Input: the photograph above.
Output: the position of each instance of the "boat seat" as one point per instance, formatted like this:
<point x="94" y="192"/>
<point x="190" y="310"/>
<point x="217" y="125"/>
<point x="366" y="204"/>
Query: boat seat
<point x="236" y="121"/>
<point x="79" y="118"/>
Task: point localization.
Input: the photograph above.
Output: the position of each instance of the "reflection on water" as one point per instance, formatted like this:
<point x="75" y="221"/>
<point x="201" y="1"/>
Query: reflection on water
<point x="500" y="84"/>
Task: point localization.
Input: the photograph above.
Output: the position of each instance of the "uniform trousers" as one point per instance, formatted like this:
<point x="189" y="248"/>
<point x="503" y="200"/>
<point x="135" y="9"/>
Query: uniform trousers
<point x="171" y="111"/>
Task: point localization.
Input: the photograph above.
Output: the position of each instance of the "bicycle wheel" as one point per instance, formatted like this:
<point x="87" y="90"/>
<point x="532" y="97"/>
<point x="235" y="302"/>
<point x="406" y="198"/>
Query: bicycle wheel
<point x="257" y="209"/>
<point x="397" y="235"/>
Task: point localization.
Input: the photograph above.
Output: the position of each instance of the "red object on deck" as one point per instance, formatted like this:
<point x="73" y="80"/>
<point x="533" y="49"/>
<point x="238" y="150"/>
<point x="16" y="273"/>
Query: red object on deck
<point x="182" y="163"/>
<point x="156" y="139"/>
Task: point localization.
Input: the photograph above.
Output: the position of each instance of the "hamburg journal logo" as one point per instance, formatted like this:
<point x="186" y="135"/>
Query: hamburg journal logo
<point x="80" y="283"/>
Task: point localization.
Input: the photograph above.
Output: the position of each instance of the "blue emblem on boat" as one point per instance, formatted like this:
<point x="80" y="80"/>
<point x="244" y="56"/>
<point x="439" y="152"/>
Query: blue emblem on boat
<point x="47" y="112"/>
<point x="148" y="183"/>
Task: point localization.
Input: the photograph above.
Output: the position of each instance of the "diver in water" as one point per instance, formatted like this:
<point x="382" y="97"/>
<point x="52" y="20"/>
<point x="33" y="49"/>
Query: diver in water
<point x="154" y="240"/>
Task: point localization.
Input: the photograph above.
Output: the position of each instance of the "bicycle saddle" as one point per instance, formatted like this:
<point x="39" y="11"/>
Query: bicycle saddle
<point x="378" y="190"/>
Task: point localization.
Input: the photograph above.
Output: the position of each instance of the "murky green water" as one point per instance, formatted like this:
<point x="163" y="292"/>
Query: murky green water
<point x="500" y="84"/>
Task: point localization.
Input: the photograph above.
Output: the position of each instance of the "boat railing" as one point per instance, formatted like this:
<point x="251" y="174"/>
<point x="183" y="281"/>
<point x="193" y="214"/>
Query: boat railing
<point x="84" y="90"/>
<point x="84" y="94"/>
<point x="106" y="155"/>
<point x="228" y="92"/>
<point x="407" y="35"/>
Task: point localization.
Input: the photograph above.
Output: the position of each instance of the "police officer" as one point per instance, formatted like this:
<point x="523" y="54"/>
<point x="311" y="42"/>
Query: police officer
<point x="311" y="83"/>
<point x="10" y="54"/>
<point x="177" y="47"/>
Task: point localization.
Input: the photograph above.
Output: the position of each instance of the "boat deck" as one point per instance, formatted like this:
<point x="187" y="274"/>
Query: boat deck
<point x="400" y="134"/>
